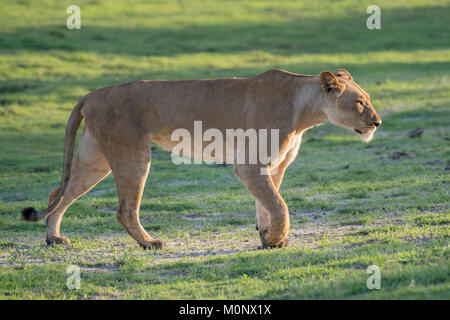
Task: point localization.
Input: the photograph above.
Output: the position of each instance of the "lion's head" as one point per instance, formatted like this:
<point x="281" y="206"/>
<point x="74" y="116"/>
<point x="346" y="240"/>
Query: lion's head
<point x="349" y="106"/>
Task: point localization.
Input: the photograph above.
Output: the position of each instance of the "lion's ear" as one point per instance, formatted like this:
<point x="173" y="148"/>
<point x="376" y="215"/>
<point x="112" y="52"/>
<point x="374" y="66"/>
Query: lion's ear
<point x="330" y="84"/>
<point x="343" y="74"/>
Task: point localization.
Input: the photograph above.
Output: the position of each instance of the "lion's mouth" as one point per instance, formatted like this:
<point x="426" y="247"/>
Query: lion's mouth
<point x="365" y="135"/>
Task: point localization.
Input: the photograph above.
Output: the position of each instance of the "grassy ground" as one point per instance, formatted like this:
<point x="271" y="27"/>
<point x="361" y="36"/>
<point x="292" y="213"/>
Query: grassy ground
<point x="351" y="204"/>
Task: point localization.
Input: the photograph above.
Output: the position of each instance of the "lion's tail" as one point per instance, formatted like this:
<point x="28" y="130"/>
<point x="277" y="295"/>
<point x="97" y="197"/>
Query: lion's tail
<point x="30" y="213"/>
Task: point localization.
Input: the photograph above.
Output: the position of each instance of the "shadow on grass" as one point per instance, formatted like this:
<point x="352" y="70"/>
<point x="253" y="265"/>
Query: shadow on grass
<point x="20" y="91"/>
<point x="400" y="31"/>
<point x="328" y="273"/>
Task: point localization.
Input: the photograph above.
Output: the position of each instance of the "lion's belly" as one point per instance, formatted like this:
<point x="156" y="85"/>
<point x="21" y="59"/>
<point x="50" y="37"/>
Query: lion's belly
<point x="198" y="150"/>
<point x="222" y="151"/>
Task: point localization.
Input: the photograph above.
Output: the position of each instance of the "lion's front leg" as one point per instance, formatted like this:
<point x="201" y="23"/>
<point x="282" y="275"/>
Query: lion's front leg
<point x="273" y="219"/>
<point x="262" y="215"/>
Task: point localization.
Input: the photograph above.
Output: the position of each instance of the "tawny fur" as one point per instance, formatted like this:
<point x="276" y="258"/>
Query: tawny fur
<point x="121" y="122"/>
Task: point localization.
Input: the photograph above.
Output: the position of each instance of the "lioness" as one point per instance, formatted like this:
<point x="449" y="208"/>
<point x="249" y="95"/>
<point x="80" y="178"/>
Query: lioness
<point x="121" y="121"/>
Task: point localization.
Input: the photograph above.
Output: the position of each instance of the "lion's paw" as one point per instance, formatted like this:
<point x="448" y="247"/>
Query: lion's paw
<point x="57" y="240"/>
<point x="267" y="242"/>
<point x="155" y="244"/>
<point x="282" y="244"/>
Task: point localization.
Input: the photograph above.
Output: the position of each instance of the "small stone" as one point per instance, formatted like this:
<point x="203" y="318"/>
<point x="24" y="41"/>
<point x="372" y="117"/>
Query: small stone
<point x="398" y="155"/>
<point x="416" y="133"/>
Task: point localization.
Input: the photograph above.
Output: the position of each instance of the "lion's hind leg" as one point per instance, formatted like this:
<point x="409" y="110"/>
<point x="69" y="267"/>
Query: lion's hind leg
<point x="89" y="168"/>
<point x="130" y="169"/>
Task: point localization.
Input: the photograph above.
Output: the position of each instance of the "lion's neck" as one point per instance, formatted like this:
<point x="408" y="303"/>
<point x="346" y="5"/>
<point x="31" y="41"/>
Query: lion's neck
<point x="309" y="103"/>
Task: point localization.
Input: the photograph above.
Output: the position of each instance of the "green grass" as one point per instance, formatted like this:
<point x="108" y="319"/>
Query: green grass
<point x="351" y="205"/>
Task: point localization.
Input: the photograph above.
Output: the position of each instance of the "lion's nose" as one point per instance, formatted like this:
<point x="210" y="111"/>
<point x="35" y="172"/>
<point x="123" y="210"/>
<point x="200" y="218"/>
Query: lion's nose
<point x="376" y="124"/>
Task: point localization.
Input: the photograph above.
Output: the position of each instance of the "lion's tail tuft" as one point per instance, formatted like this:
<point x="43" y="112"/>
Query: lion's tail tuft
<point x="30" y="214"/>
